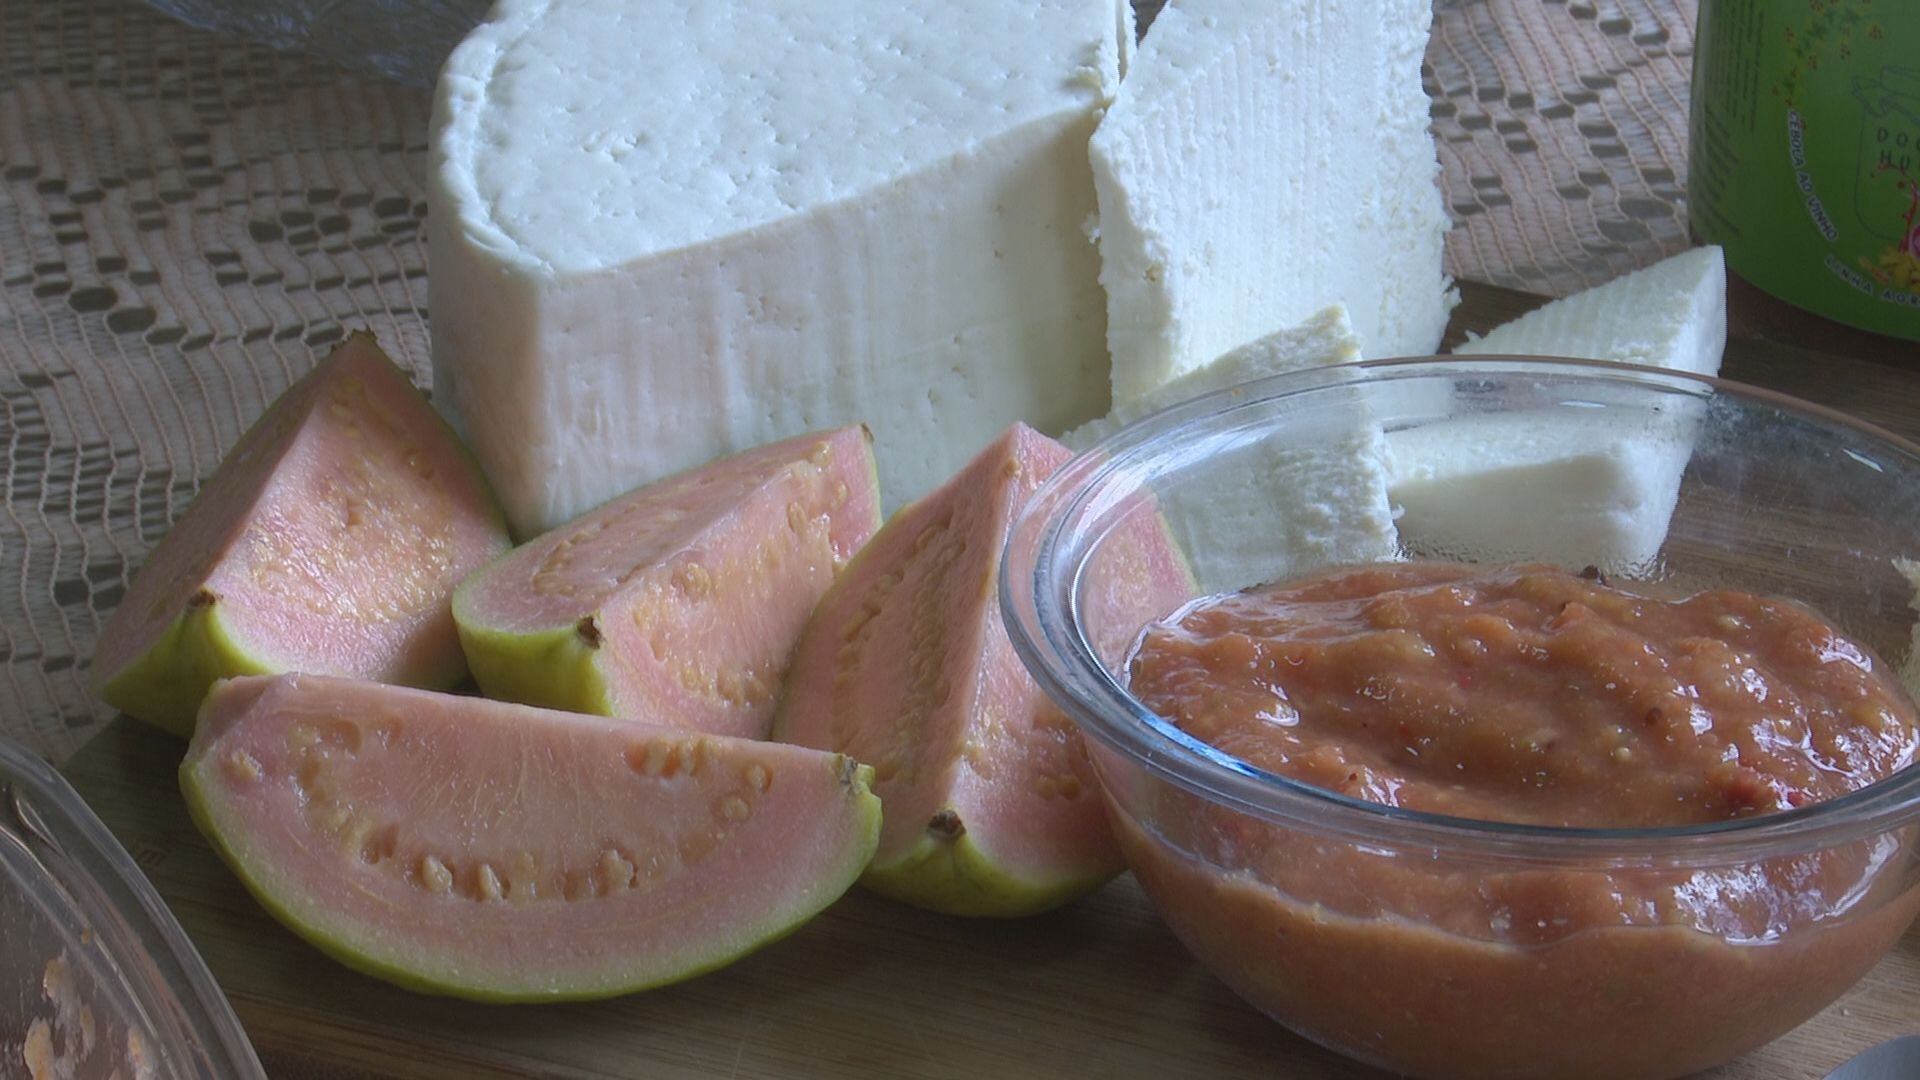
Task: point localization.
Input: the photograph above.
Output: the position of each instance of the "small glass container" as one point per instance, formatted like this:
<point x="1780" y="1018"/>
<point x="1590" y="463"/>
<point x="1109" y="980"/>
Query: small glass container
<point x="96" y="977"/>
<point x="1439" y="946"/>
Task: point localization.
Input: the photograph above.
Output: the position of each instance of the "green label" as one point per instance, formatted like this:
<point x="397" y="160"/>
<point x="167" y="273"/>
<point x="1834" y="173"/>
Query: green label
<point x="1806" y="153"/>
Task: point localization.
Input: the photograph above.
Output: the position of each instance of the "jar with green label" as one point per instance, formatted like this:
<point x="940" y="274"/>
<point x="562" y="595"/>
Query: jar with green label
<point x="1805" y="159"/>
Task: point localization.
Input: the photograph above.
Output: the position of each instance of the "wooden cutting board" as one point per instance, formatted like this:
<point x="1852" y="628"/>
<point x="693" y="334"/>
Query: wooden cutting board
<point x="871" y="989"/>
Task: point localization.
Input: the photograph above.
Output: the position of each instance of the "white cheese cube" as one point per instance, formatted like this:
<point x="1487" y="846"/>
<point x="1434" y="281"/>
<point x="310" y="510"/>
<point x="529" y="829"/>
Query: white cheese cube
<point x="667" y="231"/>
<point x="1325" y="338"/>
<point x="1262" y="159"/>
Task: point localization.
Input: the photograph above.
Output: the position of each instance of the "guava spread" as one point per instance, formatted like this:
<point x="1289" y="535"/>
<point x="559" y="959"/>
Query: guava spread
<point x="1530" y="695"/>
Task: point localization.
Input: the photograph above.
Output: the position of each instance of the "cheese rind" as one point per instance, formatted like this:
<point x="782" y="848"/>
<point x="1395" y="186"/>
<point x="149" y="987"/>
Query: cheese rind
<point x="1262" y="159"/>
<point x="1326" y="337"/>
<point x="666" y="232"/>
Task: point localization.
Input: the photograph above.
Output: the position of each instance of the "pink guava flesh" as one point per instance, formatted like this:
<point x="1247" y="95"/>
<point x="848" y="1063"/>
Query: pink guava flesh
<point x="907" y="666"/>
<point x="329" y="540"/>
<point x="492" y="850"/>
<point x="689" y="594"/>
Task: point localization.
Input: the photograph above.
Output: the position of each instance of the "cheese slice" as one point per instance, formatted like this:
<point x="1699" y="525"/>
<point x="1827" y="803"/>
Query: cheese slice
<point x="1575" y="485"/>
<point x="667" y="231"/>
<point x="1326" y="337"/>
<point x="1262" y="159"/>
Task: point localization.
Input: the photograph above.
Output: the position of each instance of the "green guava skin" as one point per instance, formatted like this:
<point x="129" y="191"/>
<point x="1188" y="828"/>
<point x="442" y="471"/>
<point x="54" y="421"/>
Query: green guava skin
<point x="166" y="685"/>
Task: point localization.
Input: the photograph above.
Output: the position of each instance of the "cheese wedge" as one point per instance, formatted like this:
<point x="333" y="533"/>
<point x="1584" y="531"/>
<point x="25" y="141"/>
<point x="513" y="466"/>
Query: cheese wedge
<point x="667" y="231"/>
<point x="1569" y="485"/>
<point x="1294" y="501"/>
<point x="1299" y="496"/>
<point x="1325" y="338"/>
<point x="1263" y="159"/>
<point x="1568" y="489"/>
<point x="1672" y="314"/>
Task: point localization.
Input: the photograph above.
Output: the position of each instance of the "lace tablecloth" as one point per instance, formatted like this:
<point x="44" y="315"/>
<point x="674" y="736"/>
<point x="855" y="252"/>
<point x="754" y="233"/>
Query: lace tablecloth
<point x="187" y="219"/>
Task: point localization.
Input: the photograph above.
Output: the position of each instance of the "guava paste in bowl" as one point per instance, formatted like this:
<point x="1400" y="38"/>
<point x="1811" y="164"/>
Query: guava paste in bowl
<point x="1529" y="696"/>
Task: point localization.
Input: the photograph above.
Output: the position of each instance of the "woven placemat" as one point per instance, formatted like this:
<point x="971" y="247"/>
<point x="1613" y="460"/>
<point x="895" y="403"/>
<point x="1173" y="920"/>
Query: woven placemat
<point x="1562" y="127"/>
<point x="186" y="219"/>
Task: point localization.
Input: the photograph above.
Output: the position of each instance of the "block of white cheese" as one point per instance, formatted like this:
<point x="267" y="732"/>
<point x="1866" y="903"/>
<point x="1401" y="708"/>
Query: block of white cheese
<point x="1285" y="497"/>
<point x="1326" y="337"/>
<point x="1263" y="159"/>
<point x="666" y="231"/>
<point x="1577" y="485"/>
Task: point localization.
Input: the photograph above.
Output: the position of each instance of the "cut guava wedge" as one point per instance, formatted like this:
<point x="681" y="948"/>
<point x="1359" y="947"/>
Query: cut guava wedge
<point x="992" y="808"/>
<point x="500" y="852"/>
<point x="329" y="540"/>
<point x="678" y="603"/>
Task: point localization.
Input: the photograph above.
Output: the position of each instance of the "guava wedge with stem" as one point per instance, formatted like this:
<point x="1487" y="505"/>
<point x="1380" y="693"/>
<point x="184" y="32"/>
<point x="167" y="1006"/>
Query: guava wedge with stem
<point x="328" y="540"/>
<point x="992" y="808"/>
<point x="678" y="603"/>
<point x="500" y="852"/>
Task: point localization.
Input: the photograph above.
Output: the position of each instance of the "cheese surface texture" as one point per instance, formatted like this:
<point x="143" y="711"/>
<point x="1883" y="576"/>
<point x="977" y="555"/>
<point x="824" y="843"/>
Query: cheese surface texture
<point x="663" y="232"/>
<point x="1263" y="159"/>
<point x="1326" y="337"/>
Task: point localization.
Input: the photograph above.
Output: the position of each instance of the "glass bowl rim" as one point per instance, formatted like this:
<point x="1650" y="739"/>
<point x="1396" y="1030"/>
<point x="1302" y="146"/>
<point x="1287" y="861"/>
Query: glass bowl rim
<point x="57" y="849"/>
<point x="1042" y="619"/>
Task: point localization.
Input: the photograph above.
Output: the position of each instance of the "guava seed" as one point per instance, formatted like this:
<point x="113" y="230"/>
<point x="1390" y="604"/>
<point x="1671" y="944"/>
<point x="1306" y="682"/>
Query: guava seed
<point x="435" y="876"/>
<point x="244" y="767"/>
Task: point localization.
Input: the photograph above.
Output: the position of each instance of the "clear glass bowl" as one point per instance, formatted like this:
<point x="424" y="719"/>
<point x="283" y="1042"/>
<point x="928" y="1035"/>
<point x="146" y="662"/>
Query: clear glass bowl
<point x="96" y="977"/>
<point x="1441" y="946"/>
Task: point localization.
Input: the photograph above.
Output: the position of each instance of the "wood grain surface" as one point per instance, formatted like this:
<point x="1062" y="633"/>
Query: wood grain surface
<point x="872" y="989"/>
